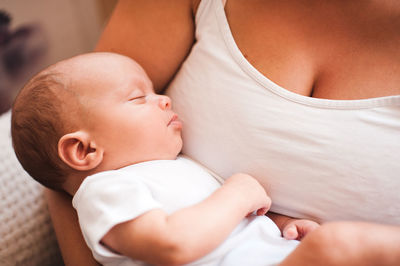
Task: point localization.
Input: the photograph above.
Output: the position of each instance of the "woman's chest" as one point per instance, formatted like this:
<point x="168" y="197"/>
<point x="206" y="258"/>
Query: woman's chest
<point x="235" y="119"/>
<point x="296" y="151"/>
<point x="324" y="50"/>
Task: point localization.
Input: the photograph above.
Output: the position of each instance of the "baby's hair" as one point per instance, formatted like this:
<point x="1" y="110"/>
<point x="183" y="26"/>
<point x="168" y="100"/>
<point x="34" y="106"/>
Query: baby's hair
<point x="37" y="124"/>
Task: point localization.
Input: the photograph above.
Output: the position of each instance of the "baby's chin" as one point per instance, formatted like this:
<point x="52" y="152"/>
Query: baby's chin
<point x="169" y="155"/>
<point x="161" y="156"/>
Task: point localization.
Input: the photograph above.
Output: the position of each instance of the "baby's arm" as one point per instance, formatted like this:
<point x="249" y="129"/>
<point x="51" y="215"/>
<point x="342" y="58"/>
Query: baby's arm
<point x="190" y="233"/>
<point x="293" y="228"/>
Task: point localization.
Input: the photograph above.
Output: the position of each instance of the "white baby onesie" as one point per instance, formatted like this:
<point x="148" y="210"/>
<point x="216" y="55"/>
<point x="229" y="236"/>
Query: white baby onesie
<point x="112" y="197"/>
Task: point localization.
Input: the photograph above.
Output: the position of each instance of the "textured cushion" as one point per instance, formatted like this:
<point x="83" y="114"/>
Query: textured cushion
<point x="26" y="233"/>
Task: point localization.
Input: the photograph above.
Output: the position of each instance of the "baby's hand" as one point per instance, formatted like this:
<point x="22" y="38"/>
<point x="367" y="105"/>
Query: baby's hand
<point x="252" y="193"/>
<point x="296" y="229"/>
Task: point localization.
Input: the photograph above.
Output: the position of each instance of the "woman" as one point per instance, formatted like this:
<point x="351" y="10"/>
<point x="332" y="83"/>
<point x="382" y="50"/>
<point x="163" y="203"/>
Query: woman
<point x="303" y="95"/>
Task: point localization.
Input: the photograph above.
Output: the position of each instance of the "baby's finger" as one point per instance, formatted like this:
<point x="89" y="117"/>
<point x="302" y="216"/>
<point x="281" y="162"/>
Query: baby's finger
<point x="290" y="232"/>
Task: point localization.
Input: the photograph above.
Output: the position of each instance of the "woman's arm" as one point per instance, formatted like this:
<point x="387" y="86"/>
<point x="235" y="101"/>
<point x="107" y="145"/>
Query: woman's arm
<point x="69" y="236"/>
<point x="189" y="233"/>
<point x="156" y="34"/>
<point x="348" y="243"/>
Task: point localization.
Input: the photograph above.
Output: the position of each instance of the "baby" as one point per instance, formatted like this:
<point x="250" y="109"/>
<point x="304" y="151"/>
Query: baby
<point x="93" y="127"/>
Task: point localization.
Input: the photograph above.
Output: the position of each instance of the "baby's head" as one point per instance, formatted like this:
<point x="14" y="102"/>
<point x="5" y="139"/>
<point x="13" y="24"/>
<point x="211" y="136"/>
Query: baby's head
<point x="91" y="113"/>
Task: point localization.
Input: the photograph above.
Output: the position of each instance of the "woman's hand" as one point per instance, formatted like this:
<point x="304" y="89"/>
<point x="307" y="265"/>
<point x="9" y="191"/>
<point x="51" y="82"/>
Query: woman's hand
<point x="348" y="243"/>
<point x="297" y="229"/>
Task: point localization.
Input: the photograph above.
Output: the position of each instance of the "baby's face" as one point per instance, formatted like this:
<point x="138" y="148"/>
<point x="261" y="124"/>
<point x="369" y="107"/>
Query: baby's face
<point x="124" y="115"/>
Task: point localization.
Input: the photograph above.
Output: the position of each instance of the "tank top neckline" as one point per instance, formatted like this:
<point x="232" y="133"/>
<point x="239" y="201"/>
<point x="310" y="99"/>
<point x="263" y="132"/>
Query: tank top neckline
<point x="271" y="86"/>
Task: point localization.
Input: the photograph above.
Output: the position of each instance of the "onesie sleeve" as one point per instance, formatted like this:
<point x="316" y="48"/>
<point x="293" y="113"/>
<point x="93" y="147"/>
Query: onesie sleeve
<point x="107" y="199"/>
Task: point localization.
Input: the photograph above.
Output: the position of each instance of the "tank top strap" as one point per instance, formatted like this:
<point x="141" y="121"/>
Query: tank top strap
<point x="205" y="9"/>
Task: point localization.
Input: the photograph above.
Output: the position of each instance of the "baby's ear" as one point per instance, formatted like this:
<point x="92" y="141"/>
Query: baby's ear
<point x="79" y="152"/>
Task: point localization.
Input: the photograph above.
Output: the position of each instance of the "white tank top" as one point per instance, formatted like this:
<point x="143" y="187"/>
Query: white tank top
<point x="317" y="158"/>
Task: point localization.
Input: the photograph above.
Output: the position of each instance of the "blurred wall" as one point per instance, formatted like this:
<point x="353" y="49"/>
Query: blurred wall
<point x="60" y="28"/>
<point x="71" y="26"/>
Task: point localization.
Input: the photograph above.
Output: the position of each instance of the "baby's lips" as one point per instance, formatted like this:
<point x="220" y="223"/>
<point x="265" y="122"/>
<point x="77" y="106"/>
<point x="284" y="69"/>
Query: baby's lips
<point x="175" y="120"/>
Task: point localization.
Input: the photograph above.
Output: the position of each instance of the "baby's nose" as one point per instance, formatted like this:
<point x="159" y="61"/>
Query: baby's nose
<point x="164" y="102"/>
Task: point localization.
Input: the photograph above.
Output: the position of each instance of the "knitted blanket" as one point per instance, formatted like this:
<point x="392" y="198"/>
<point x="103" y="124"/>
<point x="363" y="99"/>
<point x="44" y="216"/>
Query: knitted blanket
<point x="26" y="233"/>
